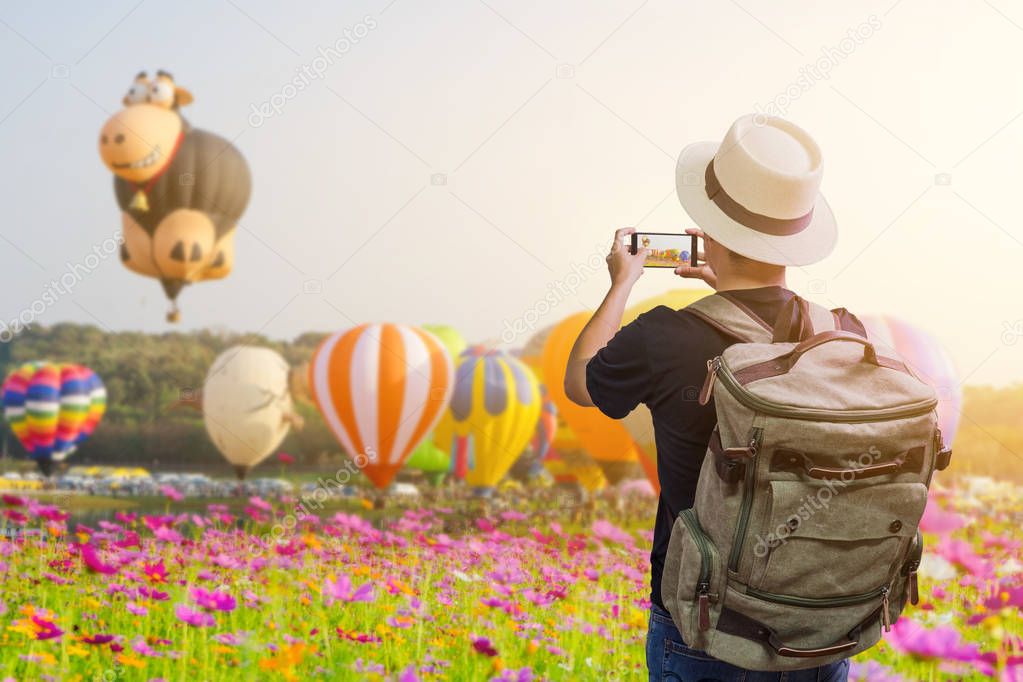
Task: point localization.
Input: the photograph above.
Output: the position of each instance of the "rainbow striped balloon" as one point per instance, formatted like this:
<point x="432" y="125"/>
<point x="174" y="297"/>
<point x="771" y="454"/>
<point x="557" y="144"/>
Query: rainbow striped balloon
<point x="52" y="408"/>
<point x="381" y="389"/>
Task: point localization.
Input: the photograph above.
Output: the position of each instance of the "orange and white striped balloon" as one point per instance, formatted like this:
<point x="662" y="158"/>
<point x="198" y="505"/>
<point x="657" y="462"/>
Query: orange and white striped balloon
<point x="381" y="389"/>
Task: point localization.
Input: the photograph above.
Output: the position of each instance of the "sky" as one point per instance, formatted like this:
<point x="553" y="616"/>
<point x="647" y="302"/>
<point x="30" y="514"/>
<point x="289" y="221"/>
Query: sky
<point x="457" y="162"/>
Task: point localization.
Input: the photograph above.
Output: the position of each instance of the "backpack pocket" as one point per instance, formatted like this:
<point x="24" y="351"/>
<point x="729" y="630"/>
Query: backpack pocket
<point x="834" y="539"/>
<point x="692" y="578"/>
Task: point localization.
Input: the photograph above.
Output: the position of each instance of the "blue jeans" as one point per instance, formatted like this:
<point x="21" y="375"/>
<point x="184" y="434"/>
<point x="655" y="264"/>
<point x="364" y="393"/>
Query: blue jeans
<point x="668" y="658"/>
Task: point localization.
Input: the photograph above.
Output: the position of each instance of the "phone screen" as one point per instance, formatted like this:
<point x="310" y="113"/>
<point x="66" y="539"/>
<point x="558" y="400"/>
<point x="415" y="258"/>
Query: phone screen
<point x="666" y="249"/>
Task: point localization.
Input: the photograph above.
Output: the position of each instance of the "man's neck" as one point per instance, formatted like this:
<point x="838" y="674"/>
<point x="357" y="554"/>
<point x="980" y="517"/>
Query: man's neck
<point x="731" y="281"/>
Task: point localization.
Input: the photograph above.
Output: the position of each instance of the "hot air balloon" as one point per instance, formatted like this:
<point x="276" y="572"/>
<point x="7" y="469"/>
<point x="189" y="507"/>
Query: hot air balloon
<point x="605" y="439"/>
<point x="431" y="460"/>
<point x="453" y="341"/>
<point x="575" y="466"/>
<point x="529" y="462"/>
<point x="639" y="422"/>
<point x="52" y="408"/>
<point x="181" y="190"/>
<point x="381" y="389"/>
<point x="246" y="405"/>
<point x="927" y="359"/>
<point x="493" y="413"/>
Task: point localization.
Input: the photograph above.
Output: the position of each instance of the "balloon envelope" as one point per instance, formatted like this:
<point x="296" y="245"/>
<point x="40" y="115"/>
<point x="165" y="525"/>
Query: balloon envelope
<point x="453" y="341"/>
<point x="575" y="466"/>
<point x="927" y="359"/>
<point x="381" y="388"/>
<point x="605" y="439"/>
<point x="246" y="404"/>
<point x="52" y="408"/>
<point x="493" y="413"/>
<point x="429" y="458"/>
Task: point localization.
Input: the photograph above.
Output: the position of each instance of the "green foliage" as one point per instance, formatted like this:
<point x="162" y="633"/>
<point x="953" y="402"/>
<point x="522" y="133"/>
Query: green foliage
<point x="144" y="374"/>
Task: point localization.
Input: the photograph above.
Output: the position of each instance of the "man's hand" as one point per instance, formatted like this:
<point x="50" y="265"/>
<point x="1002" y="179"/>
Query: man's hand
<point x="702" y="271"/>
<point x="624" y="267"/>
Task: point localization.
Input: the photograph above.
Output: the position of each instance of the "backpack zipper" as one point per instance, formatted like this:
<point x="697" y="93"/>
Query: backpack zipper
<point x="746" y="505"/>
<point x="718" y="370"/>
<point x="911" y="568"/>
<point x="692" y="524"/>
<point x="820" y="602"/>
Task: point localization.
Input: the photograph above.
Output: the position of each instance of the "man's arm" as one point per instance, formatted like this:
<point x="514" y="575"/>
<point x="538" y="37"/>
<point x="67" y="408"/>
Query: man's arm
<point x="624" y="268"/>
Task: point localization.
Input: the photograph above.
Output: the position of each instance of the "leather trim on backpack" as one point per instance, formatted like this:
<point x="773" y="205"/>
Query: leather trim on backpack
<point x="784" y="363"/>
<point x="793" y="460"/>
<point x="739" y="624"/>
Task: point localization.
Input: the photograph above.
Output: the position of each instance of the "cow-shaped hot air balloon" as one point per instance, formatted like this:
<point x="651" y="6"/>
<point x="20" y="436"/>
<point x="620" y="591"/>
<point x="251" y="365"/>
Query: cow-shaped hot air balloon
<point x="52" y="408"/>
<point x="181" y="190"/>
<point x="381" y="388"/>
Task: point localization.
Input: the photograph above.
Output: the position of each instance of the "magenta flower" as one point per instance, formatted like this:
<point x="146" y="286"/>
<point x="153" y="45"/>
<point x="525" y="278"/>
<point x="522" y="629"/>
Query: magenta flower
<point x="260" y="503"/>
<point x="171" y="493"/>
<point x="168" y="534"/>
<point x="483" y="646"/>
<point x="341" y="590"/>
<point x="136" y="609"/>
<point x="46" y="629"/>
<point x="213" y="601"/>
<point x="98" y="640"/>
<point x="92" y="561"/>
<point x="13" y="500"/>
<point x="197" y="619"/>
<point x="942" y="643"/>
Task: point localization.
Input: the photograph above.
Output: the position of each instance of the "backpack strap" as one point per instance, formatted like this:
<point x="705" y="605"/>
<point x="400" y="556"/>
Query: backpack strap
<point x="731" y="317"/>
<point x="800" y="319"/>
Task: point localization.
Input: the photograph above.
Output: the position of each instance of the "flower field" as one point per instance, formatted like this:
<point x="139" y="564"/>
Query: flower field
<point x="266" y="593"/>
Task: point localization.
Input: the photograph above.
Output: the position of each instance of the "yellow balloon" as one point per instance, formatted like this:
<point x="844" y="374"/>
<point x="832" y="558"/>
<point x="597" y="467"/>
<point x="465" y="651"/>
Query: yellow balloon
<point x="639" y="423"/>
<point x="492" y="415"/>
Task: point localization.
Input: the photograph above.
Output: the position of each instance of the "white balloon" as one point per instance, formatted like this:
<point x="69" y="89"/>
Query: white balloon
<point x="246" y="404"/>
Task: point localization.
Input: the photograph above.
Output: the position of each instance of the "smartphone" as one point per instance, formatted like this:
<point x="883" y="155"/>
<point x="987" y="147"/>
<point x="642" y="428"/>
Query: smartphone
<point x="667" y="249"/>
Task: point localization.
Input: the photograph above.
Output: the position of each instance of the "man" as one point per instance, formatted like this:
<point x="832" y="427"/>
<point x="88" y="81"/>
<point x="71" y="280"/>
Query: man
<point x="755" y="199"/>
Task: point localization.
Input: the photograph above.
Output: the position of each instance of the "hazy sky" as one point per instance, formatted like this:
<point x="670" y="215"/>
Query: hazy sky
<point x="457" y="161"/>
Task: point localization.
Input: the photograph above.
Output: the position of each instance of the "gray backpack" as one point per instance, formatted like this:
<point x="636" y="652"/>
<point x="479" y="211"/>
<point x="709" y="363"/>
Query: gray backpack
<point x="802" y="544"/>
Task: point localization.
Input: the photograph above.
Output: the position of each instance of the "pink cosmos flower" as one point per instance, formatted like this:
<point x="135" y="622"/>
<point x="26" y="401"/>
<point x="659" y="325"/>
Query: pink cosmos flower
<point x="197" y="619"/>
<point x="285" y="458"/>
<point x="937" y="520"/>
<point x="943" y="643"/>
<point x="46" y="629"/>
<point x="168" y="534"/>
<point x="213" y="601"/>
<point x="341" y="590"/>
<point x="13" y="500"/>
<point x="260" y="503"/>
<point x="92" y="561"/>
<point x="483" y="646"/>
<point x="136" y="609"/>
<point x="171" y="493"/>
<point x="97" y="639"/>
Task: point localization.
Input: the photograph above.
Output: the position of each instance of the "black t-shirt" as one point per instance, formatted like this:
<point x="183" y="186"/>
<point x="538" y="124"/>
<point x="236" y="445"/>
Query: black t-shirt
<point x="660" y="359"/>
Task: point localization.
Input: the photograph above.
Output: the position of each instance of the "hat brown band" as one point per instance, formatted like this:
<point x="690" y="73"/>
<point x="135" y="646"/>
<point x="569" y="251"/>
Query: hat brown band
<point x="779" y="227"/>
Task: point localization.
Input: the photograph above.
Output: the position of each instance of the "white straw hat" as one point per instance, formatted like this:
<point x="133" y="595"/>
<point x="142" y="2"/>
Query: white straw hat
<point x="758" y="192"/>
